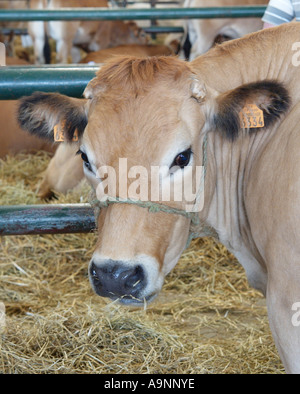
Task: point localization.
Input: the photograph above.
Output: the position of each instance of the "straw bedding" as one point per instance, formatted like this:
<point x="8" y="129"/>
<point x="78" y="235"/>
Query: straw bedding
<point x="206" y="319"/>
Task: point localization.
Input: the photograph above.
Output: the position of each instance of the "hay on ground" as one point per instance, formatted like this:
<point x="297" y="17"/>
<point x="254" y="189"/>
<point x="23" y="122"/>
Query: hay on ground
<point x="206" y="319"/>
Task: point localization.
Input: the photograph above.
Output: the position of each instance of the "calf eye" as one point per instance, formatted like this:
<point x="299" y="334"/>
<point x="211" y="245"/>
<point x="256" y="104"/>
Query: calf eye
<point x="183" y="159"/>
<point x="85" y="160"/>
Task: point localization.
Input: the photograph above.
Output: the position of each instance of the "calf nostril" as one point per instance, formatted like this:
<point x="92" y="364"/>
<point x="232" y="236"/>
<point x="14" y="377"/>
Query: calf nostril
<point x="117" y="279"/>
<point x="93" y="272"/>
<point x="134" y="279"/>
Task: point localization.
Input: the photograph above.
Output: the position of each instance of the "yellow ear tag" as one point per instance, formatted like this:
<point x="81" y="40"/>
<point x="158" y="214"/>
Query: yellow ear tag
<point x="252" y="117"/>
<point x="59" y="133"/>
<point x="75" y="136"/>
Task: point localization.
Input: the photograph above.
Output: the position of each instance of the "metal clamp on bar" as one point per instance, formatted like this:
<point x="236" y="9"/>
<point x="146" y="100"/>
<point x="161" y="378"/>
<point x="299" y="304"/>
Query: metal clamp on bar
<point x="131" y="14"/>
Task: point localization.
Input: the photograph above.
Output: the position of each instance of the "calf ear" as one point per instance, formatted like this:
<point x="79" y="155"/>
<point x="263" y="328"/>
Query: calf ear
<point x="41" y="112"/>
<point x="271" y="97"/>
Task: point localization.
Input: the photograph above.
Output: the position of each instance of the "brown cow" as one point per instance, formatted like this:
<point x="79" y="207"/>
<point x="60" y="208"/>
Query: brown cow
<point x="234" y="111"/>
<point x="115" y="33"/>
<point x="13" y="4"/>
<point x="134" y="50"/>
<point x="13" y="138"/>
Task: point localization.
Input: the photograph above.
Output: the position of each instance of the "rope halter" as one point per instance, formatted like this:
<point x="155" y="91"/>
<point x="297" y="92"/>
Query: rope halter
<point x="197" y="227"/>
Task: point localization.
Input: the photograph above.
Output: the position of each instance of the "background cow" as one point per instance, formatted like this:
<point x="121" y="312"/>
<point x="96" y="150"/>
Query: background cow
<point x="61" y="31"/>
<point x="134" y="50"/>
<point x="110" y="34"/>
<point x="13" y="138"/>
<point x="204" y="33"/>
<point x="13" y="4"/>
<point x="172" y="39"/>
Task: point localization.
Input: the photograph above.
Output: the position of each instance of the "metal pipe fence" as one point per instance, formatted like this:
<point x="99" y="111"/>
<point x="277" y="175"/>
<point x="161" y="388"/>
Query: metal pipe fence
<point x="130" y="14"/>
<point x="46" y="219"/>
<point x="148" y="29"/>
<point x="18" y="81"/>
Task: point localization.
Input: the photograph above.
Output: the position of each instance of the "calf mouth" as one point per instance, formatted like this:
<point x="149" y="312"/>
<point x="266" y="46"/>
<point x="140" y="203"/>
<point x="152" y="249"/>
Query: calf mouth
<point x="130" y="300"/>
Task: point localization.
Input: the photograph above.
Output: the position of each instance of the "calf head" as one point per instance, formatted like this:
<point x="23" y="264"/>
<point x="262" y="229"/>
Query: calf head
<point x="140" y="116"/>
<point x="114" y="33"/>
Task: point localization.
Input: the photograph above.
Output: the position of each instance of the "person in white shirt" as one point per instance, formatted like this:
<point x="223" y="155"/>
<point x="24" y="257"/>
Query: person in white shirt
<point x="281" y="11"/>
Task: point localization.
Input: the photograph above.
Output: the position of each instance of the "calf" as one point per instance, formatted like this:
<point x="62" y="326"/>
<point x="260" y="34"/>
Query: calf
<point x="234" y="113"/>
<point x="110" y="34"/>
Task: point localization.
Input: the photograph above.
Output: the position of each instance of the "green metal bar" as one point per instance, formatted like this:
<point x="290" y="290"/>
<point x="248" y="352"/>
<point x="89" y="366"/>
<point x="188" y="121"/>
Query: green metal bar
<point x="18" y="81"/>
<point x="150" y="29"/>
<point x="46" y="219"/>
<point x="163" y="29"/>
<point x="16" y="32"/>
<point x="131" y="14"/>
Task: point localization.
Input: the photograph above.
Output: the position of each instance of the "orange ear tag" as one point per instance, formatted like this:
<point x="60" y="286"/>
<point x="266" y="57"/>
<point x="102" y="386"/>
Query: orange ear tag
<point x="252" y="117"/>
<point x="59" y="133"/>
<point x="75" y="136"/>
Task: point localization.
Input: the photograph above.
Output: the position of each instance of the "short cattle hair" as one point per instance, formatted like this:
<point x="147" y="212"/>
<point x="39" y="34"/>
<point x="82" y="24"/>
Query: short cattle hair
<point x="40" y="112"/>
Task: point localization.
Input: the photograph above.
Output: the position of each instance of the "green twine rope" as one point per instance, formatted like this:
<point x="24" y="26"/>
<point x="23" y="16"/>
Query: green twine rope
<point x="152" y="207"/>
<point x="197" y="228"/>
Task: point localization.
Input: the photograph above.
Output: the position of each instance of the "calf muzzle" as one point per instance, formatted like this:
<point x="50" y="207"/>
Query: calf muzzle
<point x="117" y="280"/>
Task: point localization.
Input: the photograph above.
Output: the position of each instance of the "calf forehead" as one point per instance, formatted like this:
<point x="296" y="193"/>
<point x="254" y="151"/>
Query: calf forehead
<point x="136" y="106"/>
<point x="140" y="128"/>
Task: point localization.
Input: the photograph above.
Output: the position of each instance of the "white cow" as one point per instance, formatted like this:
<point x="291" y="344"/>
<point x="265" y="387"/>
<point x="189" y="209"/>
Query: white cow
<point x="204" y="33"/>
<point x="61" y="31"/>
